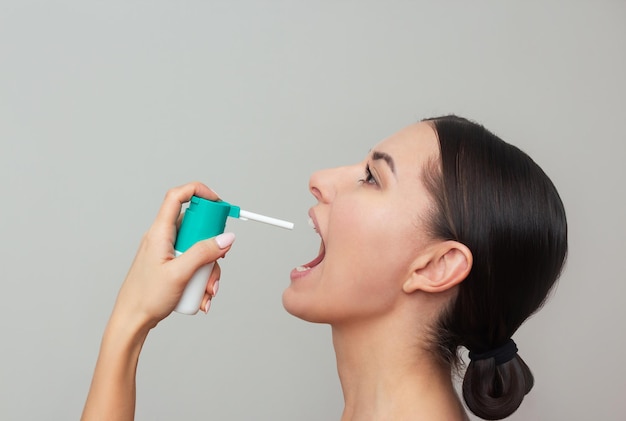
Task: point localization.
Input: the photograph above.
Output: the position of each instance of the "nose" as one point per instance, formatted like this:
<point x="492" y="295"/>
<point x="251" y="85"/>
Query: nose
<point x="325" y="184"/>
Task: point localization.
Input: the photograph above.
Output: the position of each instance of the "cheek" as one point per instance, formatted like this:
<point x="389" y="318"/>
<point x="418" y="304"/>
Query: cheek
<point x="368" y="253"/>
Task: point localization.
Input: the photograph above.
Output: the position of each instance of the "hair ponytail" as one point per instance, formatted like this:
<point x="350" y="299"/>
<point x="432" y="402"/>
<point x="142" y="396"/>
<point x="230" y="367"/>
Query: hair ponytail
<point x="493" y="198"/>
<point x="494" y="391"/>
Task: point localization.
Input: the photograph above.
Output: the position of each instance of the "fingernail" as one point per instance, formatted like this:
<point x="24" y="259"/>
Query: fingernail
<point x="216" y="286"/>
<point x="224" y="240"/>
<point x="207" y="306"/>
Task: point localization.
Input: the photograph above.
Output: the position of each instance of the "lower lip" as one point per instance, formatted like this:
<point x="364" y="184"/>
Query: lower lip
<point x="297" y="274"/>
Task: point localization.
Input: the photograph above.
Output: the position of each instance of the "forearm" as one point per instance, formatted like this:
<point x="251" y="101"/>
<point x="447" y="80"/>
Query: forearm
<point x="112" y="392"/>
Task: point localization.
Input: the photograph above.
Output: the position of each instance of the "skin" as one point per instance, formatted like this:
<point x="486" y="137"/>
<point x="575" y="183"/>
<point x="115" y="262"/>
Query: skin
<point x="381" y="284"/>
<point x="150" y="292"/>
<point x="383" y="281"/>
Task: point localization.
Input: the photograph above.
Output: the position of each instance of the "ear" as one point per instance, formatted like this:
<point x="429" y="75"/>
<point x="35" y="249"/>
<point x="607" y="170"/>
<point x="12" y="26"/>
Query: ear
<point x="442" y="267"/>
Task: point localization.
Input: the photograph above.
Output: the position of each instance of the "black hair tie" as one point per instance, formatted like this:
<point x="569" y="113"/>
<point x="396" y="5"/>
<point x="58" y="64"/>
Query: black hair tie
<point x="502" y="354"/>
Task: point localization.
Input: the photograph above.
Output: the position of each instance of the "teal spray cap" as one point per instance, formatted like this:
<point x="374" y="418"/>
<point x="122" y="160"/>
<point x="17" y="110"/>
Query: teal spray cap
<point x="205" y="219"/>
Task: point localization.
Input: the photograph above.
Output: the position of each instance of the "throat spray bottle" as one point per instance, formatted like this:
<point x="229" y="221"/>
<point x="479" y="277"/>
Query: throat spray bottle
<point x="205" y="219"/>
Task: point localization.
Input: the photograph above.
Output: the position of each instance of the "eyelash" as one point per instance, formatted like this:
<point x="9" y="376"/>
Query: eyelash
<point x="369" y="178"/>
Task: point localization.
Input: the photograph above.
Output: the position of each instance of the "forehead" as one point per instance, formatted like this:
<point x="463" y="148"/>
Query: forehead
<point x="411" y="147"/>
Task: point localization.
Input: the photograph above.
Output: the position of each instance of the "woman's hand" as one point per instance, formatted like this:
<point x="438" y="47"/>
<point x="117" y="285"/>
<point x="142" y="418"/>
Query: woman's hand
<point x="151" y="291"/>
<point x="156" y="279"/>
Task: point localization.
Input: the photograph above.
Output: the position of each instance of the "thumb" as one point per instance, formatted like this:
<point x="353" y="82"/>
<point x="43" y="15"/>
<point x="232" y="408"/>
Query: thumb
<point x="202" y="253"/>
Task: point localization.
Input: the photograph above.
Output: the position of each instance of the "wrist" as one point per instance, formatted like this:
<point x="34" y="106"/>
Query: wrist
<point x="125" y="331"/>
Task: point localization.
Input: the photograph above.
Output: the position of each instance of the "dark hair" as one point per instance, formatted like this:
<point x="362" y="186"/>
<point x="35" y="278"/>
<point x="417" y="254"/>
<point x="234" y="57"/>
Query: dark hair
<point x="495" y="199"/>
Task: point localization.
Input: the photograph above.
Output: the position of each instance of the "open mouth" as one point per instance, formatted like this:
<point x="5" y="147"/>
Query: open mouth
<point x="322" y="251"/>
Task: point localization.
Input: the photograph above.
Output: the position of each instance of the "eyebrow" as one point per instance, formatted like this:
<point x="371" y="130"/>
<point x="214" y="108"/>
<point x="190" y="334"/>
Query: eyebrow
<point x="387" y="158"/>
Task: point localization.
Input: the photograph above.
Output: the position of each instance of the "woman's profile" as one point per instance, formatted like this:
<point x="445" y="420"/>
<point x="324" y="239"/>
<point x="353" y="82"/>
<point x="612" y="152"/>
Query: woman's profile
<point x="443" y="238"/>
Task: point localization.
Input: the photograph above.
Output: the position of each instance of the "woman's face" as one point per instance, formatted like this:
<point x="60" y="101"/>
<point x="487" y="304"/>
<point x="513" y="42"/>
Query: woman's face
<point x="371" y="218"/>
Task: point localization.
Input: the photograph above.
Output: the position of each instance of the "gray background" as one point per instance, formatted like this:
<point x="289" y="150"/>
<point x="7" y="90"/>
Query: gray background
<point x="104" y="105"/>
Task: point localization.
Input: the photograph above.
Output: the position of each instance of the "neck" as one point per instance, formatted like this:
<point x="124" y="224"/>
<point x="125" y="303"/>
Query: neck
<point x="386" y="373"/>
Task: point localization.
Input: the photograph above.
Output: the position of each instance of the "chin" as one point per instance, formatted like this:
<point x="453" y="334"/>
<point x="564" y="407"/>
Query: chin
<point x="301" y="310"/>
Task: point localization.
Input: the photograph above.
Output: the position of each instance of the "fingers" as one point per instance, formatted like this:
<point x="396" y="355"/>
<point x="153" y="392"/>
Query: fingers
<point x="170" y="209"/>
<point x="211" y="288"/>
<point x="214" y="280"/>
<point x="201" y="253"/>
<point x="206" y="303"/>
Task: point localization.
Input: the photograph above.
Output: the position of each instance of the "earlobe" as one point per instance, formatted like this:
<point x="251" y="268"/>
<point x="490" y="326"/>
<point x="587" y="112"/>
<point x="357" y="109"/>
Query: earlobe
<point x="448" y="264"/>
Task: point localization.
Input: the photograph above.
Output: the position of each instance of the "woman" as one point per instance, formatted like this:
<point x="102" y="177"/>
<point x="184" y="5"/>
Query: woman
<point x="443" y="237"/>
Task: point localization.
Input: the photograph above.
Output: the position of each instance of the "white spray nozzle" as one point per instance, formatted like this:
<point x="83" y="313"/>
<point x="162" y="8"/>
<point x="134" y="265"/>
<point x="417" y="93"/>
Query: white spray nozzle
<point x="245" y="215"/>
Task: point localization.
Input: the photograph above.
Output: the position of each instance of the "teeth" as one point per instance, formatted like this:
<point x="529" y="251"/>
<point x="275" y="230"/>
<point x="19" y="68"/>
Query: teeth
<point x="312" y="225"/>
<point x="302" y="268"/>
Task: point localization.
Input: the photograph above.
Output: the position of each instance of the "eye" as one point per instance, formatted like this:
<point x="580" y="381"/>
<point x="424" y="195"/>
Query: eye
<point x="369" y="178"/>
